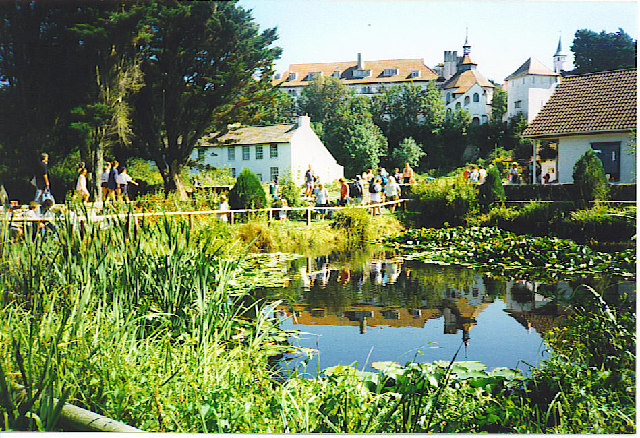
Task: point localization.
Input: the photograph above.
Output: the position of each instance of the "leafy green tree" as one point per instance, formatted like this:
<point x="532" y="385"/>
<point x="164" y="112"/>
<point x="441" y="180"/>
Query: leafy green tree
<point x="247" y="193"/>
<point x="205" y="66"/>
<point x="409" y="111"/>
<point x="281" y="109"/>
<point x="603" y="51"/>
<point x="408" y="152"/>
<point x="589" y="178"/>
<point x="352" y="137"/>
<point x="324" y="97"/>
<point x="498" y="104"/>
<point x="42" y="77"/>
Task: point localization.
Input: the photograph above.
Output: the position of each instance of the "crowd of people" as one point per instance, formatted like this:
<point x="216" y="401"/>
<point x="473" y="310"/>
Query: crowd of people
<point x="379" y="185"/>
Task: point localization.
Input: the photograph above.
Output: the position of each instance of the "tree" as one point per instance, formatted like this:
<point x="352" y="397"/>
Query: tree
<point x="247" y="193"/>
<point x="498" y="104"/>
<point x="205" y="67"/>
<point x="409" y="111"/>
<point x="408" y="152"/>
<point x="352" y="138"/>
<point x="323" y="97"/>
<point x="589" y="178"/>
<point x="603" y="51"/>
<point x="281" y="109"/>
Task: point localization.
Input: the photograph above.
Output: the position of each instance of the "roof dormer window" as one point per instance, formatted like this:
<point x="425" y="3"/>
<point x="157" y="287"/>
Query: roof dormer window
<point x="361" y="73"/>
<point x="415" y="74"/>
<point x="389" y="72"/>
<point x="336" y="74"/>
<point x="293" y="76"/>
<point x="314" y="74"/>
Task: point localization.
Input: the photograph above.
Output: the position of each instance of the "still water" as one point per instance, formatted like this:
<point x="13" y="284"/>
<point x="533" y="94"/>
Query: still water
<point x="381" y="307"/>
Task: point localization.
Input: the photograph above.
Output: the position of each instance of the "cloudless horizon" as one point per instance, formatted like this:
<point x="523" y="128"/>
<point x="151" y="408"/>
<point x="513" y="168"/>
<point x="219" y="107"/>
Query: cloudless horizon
<point x="502" y="34"/>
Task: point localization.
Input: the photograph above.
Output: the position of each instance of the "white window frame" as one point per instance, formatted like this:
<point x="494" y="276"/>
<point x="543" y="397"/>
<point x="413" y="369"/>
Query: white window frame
<point x="259" y="152"/>
<point x="273" y="151"/>
<point x="246" y="153"/>
<point x="273" y="173"/>
<point x="231" y="153"/>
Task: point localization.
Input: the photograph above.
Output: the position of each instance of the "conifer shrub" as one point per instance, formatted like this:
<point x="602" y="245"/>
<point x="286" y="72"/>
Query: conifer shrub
<point x="492" y="190"/>
<point x="247" y="193"/>
<point x="590" y="179"/>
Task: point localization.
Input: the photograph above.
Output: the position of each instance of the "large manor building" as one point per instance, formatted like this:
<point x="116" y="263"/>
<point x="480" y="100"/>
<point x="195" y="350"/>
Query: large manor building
<point x="461" y="83"/>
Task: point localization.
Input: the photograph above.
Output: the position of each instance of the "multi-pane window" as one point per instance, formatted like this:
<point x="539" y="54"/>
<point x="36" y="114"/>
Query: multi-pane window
<point x="466" y="100"/>
<point x="273" y="153"/>
<point x="274" y="173"/>
<point x="231" y="153"/>
<point x="476" y="97"/>
<point x="233" y="172"/>
<point x="259" y="152"/>
<point x="518" y="104"/>
<point x="246" y="153"/>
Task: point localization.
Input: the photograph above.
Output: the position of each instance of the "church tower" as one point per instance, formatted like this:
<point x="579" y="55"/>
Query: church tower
<point x="559" y="58"/>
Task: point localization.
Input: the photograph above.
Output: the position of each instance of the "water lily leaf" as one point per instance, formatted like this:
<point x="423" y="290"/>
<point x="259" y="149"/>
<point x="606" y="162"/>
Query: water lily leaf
<point x="383" y="365"/>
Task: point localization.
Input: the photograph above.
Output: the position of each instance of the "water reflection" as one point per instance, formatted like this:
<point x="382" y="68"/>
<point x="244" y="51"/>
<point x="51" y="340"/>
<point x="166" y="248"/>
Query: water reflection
<point x="410" y="304"/>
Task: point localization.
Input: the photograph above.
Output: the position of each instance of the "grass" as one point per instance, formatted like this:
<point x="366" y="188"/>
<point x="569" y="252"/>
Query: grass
<point x="154" y="325"/>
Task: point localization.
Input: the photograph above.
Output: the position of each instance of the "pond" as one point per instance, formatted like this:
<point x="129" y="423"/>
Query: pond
<point x="380" y="307"/>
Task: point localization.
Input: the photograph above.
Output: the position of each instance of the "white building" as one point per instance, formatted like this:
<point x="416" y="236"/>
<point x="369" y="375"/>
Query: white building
<point x="597" y="111"/>
<point x="467" y="88"/>
<point x="529" y="88"/>
<point x="271" y="151"/>
<point x="364" y="77"/>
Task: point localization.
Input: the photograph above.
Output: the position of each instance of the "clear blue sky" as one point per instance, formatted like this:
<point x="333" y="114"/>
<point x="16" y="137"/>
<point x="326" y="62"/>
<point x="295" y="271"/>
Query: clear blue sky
<point x="502" y="34"/>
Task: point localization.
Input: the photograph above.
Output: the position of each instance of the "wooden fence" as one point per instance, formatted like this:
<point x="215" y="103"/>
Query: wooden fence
<point x="231" y="213"/>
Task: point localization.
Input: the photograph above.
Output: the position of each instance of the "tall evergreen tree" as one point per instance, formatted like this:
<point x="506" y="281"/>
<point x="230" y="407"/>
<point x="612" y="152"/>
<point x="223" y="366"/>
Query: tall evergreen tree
<point x="205" y="65"/>
<point x="603" y="51"/>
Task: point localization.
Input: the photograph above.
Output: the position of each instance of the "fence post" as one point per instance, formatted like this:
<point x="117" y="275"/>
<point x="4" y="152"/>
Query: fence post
<point x="270" y="215"/>
<point x="308" y="216"/>
<point x="231" y="214"/>
<point x="190" y="220"/>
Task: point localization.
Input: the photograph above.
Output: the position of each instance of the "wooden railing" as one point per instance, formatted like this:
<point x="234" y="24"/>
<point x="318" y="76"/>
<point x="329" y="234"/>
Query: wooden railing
<point x="231" y="213"/>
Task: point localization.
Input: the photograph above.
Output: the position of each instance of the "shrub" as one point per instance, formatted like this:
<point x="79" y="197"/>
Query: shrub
<point x="357" y="226"/>
<point x="492" y="190"/>
<point x="589" y="178"/>
<point x="441" y="202"/>
<point x="247" y="193"/>
<point x="258" y="235"/>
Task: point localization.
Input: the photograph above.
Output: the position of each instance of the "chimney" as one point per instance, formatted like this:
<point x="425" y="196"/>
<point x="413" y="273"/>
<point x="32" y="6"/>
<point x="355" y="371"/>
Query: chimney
<point x="304" y="121"/>
<point x="360" y="62"/>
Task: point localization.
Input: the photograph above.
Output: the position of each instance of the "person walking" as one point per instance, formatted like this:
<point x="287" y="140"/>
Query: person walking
<point x="104" y="180"/>
<point x="322" y="199"/>
<point x="81" y="185"/>
<point x="344" y="193"/>
<point x="473" y="175"/>
<point x="124" y="180"/>
<point x="407" y="174"/>
<point x="356" y="191"/>
<point x="482" y="175"/>
<point x="375" y="188"/>
<point x="392" y="191"/>
<point x="513" y="174"/>
<point x="112" y="181"/>
<point x="42" y="179"/>
<point x="309" y="181"/>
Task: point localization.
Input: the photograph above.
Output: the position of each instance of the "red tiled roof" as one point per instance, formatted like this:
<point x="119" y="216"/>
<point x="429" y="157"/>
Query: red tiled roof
<point x="463" y="80"/>
<point x="591" y="103"/>
<point x="531" y="67"/>
<point x="404" y="66"/>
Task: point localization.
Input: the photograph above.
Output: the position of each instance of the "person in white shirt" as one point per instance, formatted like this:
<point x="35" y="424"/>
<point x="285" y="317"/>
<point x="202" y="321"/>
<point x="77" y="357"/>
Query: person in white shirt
<point x="123" y="179"/>
<point x="81" y="185"/>
<point x="392" y="191"/>
<point x="482" y="175"/>
<point x="322" y="199"/>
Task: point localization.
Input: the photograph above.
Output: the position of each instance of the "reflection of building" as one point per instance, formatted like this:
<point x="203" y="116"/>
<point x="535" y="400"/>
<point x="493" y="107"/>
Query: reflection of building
<point x="370" y="315"/>
<point x="530" y="309"/>
<point x="462" y="306"/>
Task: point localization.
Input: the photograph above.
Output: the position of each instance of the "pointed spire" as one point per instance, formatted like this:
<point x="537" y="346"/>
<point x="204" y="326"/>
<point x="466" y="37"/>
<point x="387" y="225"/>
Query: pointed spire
<point x="466" y="48"/>
<point x="559" y="50"/>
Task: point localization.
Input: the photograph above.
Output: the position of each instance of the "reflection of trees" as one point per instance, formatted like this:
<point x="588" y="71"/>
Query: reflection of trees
<point x="495" y="288"/>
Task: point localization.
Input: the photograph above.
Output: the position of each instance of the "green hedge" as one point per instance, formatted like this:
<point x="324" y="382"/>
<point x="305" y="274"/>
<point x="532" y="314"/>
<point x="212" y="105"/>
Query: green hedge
<point x="563" y="192"/>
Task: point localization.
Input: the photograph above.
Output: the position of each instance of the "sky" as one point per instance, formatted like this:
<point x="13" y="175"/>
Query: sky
<point x="502" y="34"/>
